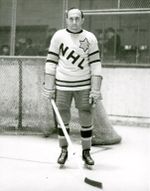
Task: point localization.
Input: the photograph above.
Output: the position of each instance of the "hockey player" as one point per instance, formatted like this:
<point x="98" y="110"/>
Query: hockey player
<point x="73" y="71"/>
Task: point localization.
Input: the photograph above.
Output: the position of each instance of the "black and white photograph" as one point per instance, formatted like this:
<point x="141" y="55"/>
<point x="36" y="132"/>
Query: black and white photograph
<point x="74" y="95"/>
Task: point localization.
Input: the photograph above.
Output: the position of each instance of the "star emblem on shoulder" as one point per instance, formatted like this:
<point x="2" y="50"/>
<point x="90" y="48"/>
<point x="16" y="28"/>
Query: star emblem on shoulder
<point x="84" y="44"/>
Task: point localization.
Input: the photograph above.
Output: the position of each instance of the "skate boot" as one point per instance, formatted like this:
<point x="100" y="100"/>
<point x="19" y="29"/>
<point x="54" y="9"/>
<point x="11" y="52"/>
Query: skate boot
<point x="89" y="162"/>
<point x="63" y="156"/>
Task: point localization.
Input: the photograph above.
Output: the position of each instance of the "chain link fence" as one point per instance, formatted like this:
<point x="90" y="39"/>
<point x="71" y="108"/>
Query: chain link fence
<point x="23" y="106"/>
<point x="9" y="85"/>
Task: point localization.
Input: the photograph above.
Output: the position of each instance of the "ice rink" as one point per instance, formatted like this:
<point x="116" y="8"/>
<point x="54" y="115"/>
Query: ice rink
<point x="28" y="163"/>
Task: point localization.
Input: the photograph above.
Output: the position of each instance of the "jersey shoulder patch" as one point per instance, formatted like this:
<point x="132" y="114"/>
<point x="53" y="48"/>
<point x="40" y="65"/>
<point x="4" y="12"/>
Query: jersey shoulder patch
<point x="84" y="44"/>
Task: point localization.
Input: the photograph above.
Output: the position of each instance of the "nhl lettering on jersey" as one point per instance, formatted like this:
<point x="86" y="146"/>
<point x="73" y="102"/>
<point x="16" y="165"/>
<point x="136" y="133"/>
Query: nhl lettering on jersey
<point x="72" y="55"/>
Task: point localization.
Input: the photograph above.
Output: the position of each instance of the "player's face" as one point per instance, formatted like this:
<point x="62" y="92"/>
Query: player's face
<point x="74" y="20"/>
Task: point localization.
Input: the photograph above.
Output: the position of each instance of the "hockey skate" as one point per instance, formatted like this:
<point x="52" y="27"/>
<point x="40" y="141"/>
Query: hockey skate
<point x="63" y="157"/>
<point x="89" y="162"/>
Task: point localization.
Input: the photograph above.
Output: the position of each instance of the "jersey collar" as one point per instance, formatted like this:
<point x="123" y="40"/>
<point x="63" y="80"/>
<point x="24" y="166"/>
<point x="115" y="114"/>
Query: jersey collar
<point x="74" y="32"/>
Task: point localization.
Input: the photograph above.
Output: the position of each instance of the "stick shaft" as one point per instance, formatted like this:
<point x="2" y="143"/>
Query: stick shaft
<point x="61" y="123"/>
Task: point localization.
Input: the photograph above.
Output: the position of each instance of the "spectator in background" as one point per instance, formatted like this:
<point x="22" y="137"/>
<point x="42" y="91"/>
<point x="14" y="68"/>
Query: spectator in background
<point x="25" y="47"/>
<point x="100" y="38"/>
<point x="30" y="49"/>
<point x="20" y="46"/>
<point x="49" y="35"/>
<point x="101" y="41"/>
<point x="5" y="50"/>
<point x="43" y="49"/>
<point x="112" y="43"/>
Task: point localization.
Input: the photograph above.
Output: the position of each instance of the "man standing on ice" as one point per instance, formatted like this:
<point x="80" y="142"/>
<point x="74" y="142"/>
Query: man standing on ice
<point x="73" y="71"/>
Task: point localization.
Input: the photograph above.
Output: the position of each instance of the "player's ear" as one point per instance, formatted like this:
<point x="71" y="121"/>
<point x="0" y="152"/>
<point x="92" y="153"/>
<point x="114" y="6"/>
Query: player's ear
<point x="83" y="20"/>
<point x="66" y="14"/>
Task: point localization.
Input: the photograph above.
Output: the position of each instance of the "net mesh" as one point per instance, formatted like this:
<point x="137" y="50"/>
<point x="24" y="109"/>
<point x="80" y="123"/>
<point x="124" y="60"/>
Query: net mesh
<point x="112" y="4"/>
<point x="134" y="4"/>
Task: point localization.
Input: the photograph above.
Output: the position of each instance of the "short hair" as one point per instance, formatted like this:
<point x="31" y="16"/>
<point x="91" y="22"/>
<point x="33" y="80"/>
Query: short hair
<point x="110" y="29"/>
<point x="82" y="15"/>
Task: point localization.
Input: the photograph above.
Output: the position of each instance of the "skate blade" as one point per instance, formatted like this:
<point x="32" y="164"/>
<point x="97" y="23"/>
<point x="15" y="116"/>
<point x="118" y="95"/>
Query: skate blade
<point x="61" y="166"/>
<point x="87" y="166"/>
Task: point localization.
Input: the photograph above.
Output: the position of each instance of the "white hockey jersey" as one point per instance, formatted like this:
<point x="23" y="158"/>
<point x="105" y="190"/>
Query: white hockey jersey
<point x="73" y="58"/>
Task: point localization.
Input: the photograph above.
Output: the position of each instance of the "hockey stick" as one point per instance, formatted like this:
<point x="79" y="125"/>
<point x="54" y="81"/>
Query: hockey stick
<point x="60" y="121"/>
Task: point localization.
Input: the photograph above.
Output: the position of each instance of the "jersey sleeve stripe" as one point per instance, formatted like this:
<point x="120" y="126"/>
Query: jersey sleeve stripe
<point x="94" y="53"/>
<point x="52" y="61"/>
<point x="94" y="61"/>
<point x="53" y="53"/>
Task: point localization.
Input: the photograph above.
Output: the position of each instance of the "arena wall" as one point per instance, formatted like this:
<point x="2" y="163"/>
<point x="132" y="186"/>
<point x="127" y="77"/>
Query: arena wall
<point x="126" y="91"/>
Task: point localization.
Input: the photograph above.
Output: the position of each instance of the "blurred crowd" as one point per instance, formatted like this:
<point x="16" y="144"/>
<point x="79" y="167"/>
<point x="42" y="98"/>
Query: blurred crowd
<point x="26" y="46"/>
<point x="109" y="43"/>
<point x="23" y="47"/>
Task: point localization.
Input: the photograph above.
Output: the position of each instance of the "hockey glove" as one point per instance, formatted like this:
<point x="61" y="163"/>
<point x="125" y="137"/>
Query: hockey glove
<point x="94" y="96"/>
<point x="50" y="94"/>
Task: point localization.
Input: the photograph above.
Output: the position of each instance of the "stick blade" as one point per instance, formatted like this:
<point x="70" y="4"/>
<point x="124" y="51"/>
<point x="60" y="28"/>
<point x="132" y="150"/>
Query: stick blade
<point x="93" y="183"/>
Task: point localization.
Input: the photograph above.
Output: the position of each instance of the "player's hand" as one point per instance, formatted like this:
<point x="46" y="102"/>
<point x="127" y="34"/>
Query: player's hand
<point x="50" y="94"/>
<point x="94" y="96"/>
